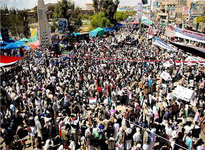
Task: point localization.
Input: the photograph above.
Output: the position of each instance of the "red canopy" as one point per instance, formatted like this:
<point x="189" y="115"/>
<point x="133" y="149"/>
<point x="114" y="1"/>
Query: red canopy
<point x="135" y="22"/>
<point x="35" y="45"/>
<point x="8" y="60"/>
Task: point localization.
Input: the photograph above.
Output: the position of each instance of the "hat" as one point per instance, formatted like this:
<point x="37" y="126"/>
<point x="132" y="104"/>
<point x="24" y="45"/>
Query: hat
<point x="138" y="145"/>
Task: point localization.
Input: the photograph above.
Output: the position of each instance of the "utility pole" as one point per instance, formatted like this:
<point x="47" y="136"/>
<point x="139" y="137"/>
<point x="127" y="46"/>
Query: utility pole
<point x="150" y="10"/>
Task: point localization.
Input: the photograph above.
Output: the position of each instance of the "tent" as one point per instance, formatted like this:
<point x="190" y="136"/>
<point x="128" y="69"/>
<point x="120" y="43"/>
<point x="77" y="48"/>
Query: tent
<point x="184" y="93"/>
<point x="147" y="22"/>
<point x="166" y="76"/>
<point x="135" y="22"/>
<point x="109" y="29"/>
<point x="8" y="60"/>
<point x="35" y="45"/>
<point x="97" y="32"/>
<point x="76" y="33"/>
<point x="119" y="25"/>
<point x="26" y="40"/>
<point x="14" y="45"/>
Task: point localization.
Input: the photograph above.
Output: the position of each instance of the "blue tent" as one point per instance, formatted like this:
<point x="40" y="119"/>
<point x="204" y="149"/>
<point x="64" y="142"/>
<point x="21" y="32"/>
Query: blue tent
<point x="76" y="33"/>
<point x="98" y="31"/>
<point x="109" y="29"/>
<point x="106" y="29"/>
<point x="119" y="25"/>
<point x="14" y="45"/>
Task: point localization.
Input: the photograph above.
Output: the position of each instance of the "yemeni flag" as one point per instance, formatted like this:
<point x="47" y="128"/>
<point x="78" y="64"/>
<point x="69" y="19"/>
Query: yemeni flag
<point x="151" y="32"/>
<point x="8" y="60"/>
<point x="144" y="2"/>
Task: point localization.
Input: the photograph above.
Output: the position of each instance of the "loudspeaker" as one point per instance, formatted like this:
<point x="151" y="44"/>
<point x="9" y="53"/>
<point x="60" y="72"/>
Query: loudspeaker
<point x="5" y="34"/>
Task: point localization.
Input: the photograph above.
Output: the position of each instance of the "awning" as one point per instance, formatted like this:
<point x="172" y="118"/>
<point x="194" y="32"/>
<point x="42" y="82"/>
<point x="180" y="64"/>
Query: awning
<point x="135" y="22"/>
<point x="14" y="45"/>
<point x="8" y="60"/>
<point x="35" y="45"/>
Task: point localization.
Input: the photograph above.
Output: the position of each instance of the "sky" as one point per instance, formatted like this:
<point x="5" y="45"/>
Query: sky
<point x="21" y="4"/>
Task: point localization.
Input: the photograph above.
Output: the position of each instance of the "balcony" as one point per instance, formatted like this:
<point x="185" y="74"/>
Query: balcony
<point x="170" y="8"/>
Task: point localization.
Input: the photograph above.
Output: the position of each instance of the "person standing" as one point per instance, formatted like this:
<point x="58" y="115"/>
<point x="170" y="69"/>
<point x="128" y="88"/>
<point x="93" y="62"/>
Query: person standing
<point x="175" y="110"/>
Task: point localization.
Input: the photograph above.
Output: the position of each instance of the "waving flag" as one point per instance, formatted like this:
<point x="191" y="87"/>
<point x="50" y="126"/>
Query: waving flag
<point x="151" y="32"/>
<point x="157" y="41"/>
<point x="8" y="60"/>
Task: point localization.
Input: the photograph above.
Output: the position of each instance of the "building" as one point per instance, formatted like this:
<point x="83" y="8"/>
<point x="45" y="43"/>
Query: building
<point x="89" y="6"/>
<point x="197" y="8"/>
<point x="165" y="10"/>
<point x="89" y="9"/>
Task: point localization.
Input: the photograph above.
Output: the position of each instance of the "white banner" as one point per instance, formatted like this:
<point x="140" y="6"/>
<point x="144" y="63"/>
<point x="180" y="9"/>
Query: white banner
<point x="139" y="7"/>
<point x="184" y="93"/>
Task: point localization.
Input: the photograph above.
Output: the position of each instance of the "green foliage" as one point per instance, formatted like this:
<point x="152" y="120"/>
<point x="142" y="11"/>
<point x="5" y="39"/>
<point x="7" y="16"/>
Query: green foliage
<point x="99" y="20"/>
<point x="95" y="5"/>
<point x="121" y="16"/>
<point x="58" y="13"/>
<point x="66" y="9"/>
<point x="108" y="7"/>
<point x="15" y="20"/>
<point x="85" y="17"/>
<point x="50" y="10"/>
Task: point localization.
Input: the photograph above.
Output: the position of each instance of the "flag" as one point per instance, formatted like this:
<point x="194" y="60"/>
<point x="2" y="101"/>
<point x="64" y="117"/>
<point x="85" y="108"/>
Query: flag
<point x="8" y="60"/>
<point x="151" y="32"/>
<point x="34" y="31"/>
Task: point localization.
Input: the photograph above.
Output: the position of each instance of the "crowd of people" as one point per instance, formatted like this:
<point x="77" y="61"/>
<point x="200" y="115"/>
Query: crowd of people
<point x="103" y="97"/>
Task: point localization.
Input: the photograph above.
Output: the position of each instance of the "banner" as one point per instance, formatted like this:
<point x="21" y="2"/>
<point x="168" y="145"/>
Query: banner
<point x="191" y="34"/>
<point x="199" y="19"/>
<point x="185" y="11"/>
<point x="184" y="93"/>
<point x="166" y="76"/>
<point x="185" y="34"/>
<point x="63" y="24"/>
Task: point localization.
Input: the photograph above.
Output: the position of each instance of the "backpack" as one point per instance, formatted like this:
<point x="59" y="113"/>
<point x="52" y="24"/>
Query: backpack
<point x="111" y="144"/>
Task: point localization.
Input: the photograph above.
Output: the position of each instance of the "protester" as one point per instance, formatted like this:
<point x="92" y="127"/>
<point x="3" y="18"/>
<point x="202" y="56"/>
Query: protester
<point x="104" y="96"/>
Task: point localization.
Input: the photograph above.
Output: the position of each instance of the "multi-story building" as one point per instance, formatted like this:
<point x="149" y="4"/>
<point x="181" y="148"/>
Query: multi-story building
<point x="165" y="10"/>
<point x="197" y="9"/>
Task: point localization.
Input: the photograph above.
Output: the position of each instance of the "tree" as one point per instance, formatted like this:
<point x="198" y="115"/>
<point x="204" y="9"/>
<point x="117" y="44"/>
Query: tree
<point x="58" y="13"/>
<point x="66" y="9"/>
<point x="15" y="21"/>
<point x="96" y="5"/>
<point x="24" y="21"/>
<point x="99" y="20"/>
<point x="50" y="10"/>
<point x="109" y="7"/>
